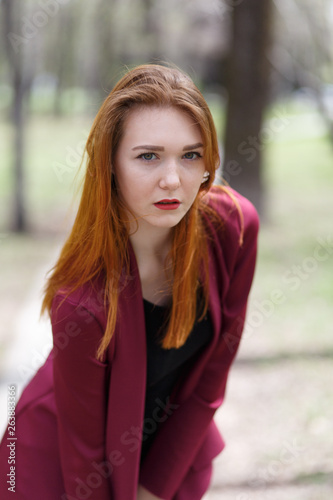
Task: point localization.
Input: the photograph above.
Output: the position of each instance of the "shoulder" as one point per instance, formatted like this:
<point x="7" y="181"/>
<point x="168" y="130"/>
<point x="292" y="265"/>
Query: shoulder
<point x="231" y="215"/>
<point x="230" y="206"/>
<point x="86" y="301"/>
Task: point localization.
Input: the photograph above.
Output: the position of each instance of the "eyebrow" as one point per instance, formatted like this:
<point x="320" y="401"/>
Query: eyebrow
<point x="161" y="148"/>
<point x="193" y="146"/>
<point x="150" y="147"/>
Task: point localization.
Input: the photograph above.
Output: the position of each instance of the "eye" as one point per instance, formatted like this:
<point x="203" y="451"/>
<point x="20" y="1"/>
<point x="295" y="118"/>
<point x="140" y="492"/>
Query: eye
<point x="148" y="156"/>
<point x="192" y="155"/>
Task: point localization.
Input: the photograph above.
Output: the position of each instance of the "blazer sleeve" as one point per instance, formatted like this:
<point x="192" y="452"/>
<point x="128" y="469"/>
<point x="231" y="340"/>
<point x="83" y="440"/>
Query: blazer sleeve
<point x="80" y="387"/>
<point x="177" y="444"/>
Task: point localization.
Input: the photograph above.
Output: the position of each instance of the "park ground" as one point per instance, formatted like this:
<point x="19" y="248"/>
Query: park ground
<point x="277" y="419"/>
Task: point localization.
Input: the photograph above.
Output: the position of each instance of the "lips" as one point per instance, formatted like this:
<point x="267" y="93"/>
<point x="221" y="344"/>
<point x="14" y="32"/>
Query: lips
<point x="167" y="204"/>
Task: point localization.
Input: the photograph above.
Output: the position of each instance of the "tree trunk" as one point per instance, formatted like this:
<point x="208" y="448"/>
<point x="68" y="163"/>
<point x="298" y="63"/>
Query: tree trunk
<point x="65" y="61"/>
<point x="248" y="86"/>
<point x="15" y="59"/>
<point x="19" y="223"/>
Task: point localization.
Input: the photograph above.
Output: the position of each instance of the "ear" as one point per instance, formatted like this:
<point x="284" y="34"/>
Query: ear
<point x="205" y="177"/>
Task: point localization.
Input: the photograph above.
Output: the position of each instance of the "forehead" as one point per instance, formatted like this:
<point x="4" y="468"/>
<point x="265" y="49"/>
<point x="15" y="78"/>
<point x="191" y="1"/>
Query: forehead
<point x="153" y="124"/>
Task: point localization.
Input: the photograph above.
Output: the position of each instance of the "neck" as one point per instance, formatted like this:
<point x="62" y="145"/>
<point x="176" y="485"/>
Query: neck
<point x="151" y="243"/>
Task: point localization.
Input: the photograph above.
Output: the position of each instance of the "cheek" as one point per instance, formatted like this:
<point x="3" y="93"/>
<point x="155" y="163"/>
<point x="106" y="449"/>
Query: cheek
<point x="124" y="179"/>
<point x="196" y="179"/>
<point x="134" y="191"/>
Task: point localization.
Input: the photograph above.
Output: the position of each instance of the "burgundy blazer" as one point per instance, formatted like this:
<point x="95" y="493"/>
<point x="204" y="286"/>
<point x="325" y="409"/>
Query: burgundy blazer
<point x="79" y="421"/>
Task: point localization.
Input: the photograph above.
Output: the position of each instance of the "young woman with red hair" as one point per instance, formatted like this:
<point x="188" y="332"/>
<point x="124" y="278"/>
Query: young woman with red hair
<point x="150" y="293"/>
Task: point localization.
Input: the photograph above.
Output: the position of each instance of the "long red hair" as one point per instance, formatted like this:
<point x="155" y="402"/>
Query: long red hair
<point x="98" y="242"/>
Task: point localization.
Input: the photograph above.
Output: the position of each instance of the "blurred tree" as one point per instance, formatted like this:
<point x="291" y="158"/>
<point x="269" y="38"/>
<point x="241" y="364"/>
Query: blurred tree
<point x="86" y="45"/>
<point x="151" y="29"/>
<point x="63" y="60"/>
<point x="105" y="34"/>
<point x="20" y="82"/>
<point x="248" y="89"/>
<point x="303" y="54"/>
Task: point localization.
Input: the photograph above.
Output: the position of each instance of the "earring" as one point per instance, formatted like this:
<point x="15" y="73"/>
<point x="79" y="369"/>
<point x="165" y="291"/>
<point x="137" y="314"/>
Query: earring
<point x="205" y="177"/>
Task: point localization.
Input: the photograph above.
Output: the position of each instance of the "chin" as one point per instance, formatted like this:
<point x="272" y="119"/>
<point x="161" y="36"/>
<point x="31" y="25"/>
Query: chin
<point x="172" y="222"/>
<point x="167" y="225"/>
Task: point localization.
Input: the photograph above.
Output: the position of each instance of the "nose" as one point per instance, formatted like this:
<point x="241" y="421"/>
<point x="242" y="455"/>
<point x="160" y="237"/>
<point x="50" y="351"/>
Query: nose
<point x="170" y="177"/>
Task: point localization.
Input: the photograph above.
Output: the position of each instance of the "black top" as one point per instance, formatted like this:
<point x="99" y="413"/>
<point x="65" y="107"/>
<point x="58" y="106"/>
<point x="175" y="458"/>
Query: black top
<point x="166" y="366"/>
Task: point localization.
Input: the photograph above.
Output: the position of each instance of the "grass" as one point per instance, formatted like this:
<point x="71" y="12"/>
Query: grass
<point x="281" y="400"/>
<point x="298" y="177"/>
<point x="53" y="151"/>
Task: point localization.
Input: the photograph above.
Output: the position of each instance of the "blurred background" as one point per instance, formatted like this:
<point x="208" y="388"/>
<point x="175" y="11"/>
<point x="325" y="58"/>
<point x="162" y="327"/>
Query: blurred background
<point x="266" y="70"/>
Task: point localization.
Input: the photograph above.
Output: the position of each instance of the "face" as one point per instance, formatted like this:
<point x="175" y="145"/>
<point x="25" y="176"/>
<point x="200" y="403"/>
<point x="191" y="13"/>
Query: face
<point x="159" y="165"/>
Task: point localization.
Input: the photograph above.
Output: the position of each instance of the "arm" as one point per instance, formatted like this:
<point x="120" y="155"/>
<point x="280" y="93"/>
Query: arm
<point x="183" y="433"/>
<point x="80" y="387"/>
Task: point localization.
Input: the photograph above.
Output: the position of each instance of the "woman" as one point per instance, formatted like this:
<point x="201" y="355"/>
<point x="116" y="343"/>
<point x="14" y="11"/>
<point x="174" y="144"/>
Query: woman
<point x="147" y="304"/>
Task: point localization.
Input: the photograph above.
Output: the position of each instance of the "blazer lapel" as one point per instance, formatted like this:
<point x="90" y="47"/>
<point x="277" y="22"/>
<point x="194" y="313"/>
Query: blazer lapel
<point x="127" y="388"/>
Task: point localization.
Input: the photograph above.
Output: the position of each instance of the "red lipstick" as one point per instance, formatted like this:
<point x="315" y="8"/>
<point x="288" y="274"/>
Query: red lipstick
<point x="167" y="204"/>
